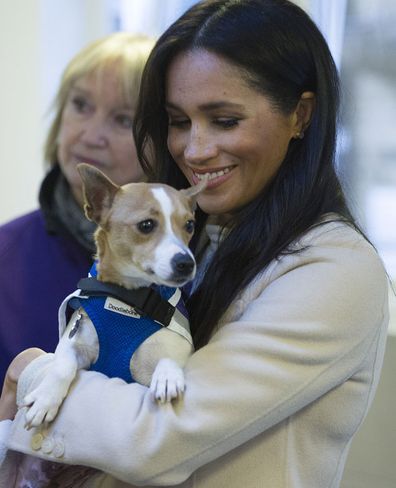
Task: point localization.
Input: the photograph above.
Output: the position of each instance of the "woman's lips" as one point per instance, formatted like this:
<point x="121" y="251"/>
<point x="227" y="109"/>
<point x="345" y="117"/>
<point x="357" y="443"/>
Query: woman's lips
<point x="214" y="177"/>
<point x="88" y="160"/>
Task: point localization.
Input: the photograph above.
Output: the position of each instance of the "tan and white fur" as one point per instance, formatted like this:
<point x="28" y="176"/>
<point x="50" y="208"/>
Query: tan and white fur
<point x="142" y="238"/>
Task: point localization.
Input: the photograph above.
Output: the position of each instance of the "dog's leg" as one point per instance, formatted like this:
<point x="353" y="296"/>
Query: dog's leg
<point x="44" y="401"/>
<point x="159" y="363"/>
<point x="74" y="351"/>
<point x="168" y="381"/>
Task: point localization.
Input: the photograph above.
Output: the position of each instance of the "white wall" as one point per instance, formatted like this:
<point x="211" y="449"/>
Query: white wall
<point x="37" y="38"/>
<point x="143" y="15"/>
<point x="20" y="131"/>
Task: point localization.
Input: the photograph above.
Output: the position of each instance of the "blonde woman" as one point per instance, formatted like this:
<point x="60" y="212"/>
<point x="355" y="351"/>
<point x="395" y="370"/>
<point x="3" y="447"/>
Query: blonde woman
<point x="44" y="253"/>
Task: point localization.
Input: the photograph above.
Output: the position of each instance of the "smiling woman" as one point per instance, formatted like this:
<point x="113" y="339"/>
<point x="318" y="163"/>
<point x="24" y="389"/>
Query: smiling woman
<point x="226" y="130"/>
<point x="44" y="253"/>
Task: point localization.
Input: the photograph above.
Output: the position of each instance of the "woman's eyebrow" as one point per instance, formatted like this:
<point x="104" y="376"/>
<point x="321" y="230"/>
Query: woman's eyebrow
<point x="122" y="105"/>
<point x="210" y="105"/>
<point x="80" y="89"/>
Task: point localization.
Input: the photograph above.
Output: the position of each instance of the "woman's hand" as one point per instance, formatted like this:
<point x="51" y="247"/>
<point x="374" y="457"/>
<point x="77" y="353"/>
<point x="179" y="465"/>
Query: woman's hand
<point x="8" y="406"/>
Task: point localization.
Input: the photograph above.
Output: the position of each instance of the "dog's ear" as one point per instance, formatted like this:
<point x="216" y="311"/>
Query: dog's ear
<point x="98" y="191"/>
<point x="193" y="191"/>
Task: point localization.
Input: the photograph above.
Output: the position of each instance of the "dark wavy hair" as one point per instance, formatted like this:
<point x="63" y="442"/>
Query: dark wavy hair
<point x="281" y="53"/>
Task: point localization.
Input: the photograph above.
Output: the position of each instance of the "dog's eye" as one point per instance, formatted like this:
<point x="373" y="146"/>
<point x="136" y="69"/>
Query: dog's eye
<point x="190" y="226"/>
<point x="146" y="226"/>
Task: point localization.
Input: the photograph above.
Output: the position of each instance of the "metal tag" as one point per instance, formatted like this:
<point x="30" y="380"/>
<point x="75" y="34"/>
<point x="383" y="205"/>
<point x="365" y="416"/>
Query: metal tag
<point x="76" y="326"/>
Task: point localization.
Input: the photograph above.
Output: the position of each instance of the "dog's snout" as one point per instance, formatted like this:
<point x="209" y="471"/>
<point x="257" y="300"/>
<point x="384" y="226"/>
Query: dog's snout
<point x="182" y="265"/>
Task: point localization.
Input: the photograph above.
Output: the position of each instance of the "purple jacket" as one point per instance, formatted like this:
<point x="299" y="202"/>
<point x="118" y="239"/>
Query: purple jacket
<point x="37" y="271"/>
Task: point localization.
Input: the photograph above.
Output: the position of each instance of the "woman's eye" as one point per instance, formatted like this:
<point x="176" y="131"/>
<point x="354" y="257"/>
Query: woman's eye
<point x="124" y="121"/>
<point x="146" y="226"/>
<point x="226" y="123"/>
<point x="190" y="226"/>
<point x="80" y="104"/>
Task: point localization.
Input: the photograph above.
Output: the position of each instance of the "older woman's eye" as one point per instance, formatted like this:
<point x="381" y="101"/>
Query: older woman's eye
<point x="124" y="121"/>
<point x="80" y="104"/>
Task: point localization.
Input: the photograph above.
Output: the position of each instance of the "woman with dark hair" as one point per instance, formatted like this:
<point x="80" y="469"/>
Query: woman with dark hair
<point x="289" y="306"/>
<point x="282" y="56"/>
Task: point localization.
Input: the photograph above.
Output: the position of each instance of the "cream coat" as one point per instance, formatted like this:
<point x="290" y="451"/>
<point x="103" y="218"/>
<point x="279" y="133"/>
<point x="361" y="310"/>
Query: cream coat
<point x="272" y="401"/>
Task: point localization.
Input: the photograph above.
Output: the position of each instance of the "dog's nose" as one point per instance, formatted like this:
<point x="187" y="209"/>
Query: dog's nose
<point x="182" y="265"/>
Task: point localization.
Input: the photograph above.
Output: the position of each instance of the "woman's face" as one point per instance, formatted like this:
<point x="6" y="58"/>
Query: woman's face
<point x="96" y="128"/>
<point x="221" y="127"/>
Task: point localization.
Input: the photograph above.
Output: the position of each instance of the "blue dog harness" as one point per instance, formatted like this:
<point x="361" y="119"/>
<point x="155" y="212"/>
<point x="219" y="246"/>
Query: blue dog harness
<point x="121" y="321"/>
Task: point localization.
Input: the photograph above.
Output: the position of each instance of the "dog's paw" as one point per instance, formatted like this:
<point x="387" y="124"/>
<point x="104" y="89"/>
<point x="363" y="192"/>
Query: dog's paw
<point x="167" y="382"/>
<point x="42" y="406"/>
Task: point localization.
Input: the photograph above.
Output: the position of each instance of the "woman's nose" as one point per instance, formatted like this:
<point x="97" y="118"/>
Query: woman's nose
<point x="199" y="146"/>
<point x="95" y="132"/>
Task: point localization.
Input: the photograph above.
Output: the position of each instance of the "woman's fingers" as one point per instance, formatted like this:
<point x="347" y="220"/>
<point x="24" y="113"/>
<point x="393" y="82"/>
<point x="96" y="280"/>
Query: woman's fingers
<point x="19" y="363"/>
<point x="8" y="406"/>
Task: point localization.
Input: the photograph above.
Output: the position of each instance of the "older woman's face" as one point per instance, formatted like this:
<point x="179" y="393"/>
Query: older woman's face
<point x="96" y="128"/>
<point x="220" y="127"/>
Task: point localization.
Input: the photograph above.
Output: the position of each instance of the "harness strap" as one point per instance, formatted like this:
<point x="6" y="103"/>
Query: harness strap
<point x="145" y="300"/>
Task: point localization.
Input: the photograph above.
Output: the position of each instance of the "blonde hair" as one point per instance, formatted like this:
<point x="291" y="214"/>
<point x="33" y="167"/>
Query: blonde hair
<point x="125" y="51"/>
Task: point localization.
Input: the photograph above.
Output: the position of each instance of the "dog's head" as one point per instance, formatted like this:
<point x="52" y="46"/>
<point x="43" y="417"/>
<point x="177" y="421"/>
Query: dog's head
<point x="143" y="230"/>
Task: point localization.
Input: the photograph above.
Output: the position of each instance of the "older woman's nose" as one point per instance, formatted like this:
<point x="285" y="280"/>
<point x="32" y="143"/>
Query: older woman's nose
<point x="95" y="132"/>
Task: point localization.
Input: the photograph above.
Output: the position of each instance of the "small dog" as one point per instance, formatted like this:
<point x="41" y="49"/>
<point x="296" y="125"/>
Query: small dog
<point x="142" y="239"/>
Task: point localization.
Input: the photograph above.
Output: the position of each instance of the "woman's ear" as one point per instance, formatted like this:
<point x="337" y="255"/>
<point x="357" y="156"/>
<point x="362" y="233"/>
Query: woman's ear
<point x="303" y="113"/>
